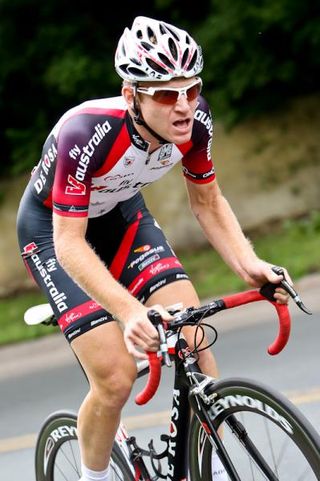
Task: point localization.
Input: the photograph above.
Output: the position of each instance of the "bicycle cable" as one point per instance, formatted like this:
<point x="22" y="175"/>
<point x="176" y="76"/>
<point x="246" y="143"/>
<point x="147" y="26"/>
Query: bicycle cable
<point x="197" y="343"/>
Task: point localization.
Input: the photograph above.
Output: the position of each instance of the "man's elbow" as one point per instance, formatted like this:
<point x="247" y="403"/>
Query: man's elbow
<point x="63" y="246"/>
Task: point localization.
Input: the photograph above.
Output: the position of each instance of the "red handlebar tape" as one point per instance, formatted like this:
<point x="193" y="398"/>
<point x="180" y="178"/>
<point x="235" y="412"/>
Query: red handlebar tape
<point x="233" y="300"/>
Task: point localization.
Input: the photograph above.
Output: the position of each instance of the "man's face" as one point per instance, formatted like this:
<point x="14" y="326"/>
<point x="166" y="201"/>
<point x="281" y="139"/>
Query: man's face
<point x="172" y="120"/>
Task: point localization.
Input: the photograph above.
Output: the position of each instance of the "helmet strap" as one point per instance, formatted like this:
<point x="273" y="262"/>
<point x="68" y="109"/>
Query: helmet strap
<point x="138" y="118"/>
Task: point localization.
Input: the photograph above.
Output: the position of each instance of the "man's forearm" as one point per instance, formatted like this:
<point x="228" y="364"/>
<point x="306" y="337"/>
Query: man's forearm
<point x="86" y="268"/>
<point x="223" y="231"/>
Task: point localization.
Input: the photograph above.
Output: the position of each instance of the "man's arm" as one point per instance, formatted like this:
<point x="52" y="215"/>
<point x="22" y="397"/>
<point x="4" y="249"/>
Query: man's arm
<point x="224" y="233"/>
<point x="86" y="269"/>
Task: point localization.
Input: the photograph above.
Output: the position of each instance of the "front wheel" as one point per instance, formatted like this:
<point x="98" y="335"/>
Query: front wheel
<point x="265" y="436"/>
<point x="57" y="455"/>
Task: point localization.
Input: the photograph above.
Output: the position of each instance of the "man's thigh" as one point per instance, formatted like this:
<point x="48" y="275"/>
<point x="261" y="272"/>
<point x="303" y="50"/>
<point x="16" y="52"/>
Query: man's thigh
<point x="181" y="291"/>
<point x="103" y="355"/>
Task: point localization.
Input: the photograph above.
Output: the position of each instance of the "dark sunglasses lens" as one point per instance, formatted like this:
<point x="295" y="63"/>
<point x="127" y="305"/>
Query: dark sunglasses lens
<point x="193" y="92"/>
<point x="168" y="97"/>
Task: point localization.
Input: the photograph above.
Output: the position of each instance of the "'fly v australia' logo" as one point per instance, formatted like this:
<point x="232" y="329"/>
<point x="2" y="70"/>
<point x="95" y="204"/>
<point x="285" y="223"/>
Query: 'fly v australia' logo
<point x="88" y="150"/>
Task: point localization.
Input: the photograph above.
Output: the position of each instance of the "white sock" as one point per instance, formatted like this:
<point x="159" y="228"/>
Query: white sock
<point x="90" y="475"/>
<point x="218" y="471"/>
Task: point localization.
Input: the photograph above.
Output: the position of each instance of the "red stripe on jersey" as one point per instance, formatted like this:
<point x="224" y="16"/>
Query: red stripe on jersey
<point x="121" y="256"/>
<point x="151" y="271"/>
<point x="48" y="201"/>
<point x="184" y="148"/>
<point x="117" y="151"/>
<point x="77" y="312"/>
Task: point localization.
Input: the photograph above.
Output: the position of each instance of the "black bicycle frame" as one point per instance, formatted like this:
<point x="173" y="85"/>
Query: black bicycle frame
<point x="184" y="399"/>
<point x="186" y="367"/>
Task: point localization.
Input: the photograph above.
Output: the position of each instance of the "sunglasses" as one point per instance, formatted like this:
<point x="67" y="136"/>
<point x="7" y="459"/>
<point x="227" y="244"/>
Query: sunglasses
<point x="169" y="96"/>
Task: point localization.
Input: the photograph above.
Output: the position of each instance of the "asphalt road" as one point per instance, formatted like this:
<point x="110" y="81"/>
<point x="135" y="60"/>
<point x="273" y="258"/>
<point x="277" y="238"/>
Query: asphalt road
<point x="42" y="376"/>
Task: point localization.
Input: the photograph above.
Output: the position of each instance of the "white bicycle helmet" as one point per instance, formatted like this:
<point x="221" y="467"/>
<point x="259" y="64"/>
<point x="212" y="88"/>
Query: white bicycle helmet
<point x="155" y="50"/>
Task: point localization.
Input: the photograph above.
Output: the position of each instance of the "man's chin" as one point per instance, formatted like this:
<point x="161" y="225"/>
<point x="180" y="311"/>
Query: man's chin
<point x="181" y="139"/>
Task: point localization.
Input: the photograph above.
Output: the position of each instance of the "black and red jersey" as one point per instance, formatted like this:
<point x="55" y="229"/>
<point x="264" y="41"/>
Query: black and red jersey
<point x="94" y="158"/>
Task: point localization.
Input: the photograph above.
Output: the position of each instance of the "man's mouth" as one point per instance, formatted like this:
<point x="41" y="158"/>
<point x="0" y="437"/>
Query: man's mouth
<point x="182" y="124"/>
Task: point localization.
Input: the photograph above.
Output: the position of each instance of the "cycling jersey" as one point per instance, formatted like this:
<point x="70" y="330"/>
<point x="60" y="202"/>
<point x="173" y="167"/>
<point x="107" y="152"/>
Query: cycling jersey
<point x="95" y="158"/>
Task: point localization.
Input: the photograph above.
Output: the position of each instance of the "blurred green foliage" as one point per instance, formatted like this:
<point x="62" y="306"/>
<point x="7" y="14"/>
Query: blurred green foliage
<point x="56" y="54"/>
<point x="260" y="54"/>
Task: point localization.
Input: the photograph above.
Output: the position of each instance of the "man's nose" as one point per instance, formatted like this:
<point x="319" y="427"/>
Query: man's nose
<point x="182" y="102"/>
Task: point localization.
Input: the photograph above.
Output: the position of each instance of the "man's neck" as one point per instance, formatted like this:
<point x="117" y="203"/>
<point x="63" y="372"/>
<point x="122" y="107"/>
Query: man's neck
<point x="153" y="142"/>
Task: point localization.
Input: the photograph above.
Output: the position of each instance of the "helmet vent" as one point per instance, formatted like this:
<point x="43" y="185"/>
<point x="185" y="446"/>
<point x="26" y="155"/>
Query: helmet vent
<point x="162" y="29"/>
<point x="173" y="48"/>
<point x="165" y="60"/>
<point x="193" y="60"/>
<point x="135" y="61"/>
<point x="136" y="72"/>
<point x="147" y="46"/>
<point x="155" y="66"/>
<point x="124" y="68"/>
<point x="173" y="33"/>
<point x="152" y="36"/>
<point x="184" y="57"/>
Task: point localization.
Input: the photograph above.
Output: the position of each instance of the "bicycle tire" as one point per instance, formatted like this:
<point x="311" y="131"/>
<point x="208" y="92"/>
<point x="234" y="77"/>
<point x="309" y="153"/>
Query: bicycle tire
<point x="57" y="455"/>
<point x="295" y="451"/>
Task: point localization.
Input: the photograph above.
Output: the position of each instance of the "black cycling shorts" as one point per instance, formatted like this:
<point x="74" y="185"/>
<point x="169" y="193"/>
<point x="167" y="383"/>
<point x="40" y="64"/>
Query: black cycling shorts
<point x="127" y="239"/>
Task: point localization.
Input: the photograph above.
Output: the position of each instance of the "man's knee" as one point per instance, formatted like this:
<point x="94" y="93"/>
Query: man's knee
<point x="113" y="388"/>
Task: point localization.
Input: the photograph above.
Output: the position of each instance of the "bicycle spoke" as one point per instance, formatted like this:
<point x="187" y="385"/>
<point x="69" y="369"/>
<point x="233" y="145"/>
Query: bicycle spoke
<point x="73" y="464"/>
<point x="61" y="472"/>
<point x="275" y="463"/>
<point x="67" y="463"/>
<point x="274" y="445"/>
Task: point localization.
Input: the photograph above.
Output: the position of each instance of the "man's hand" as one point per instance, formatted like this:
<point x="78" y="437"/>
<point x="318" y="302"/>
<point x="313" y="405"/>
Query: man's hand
<point x="258" y="272"/>
<point x="140" y="333"/>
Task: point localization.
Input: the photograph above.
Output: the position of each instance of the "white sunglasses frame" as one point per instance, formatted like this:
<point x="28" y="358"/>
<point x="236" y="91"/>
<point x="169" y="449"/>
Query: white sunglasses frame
<point x="181" y="90"/>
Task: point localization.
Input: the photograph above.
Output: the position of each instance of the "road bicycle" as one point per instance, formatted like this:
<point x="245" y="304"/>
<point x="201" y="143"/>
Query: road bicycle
<point x="257" y="433"/>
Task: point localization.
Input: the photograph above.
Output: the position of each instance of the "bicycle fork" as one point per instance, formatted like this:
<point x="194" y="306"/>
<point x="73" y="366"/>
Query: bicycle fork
<point x="200" y="402"/>
<point x="201" y="396"/>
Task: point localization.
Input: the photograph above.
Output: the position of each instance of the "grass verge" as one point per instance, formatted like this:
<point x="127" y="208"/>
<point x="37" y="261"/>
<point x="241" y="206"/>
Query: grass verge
<point x="294" y="244"/>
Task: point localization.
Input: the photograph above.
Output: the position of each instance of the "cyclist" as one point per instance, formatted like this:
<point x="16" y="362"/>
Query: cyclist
<point x="91" y="244"/>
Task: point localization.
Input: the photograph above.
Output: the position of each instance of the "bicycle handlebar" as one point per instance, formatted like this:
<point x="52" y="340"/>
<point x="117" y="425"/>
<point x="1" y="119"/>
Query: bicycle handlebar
<point x="284" y="318"/>
<point x="192" y="316"/>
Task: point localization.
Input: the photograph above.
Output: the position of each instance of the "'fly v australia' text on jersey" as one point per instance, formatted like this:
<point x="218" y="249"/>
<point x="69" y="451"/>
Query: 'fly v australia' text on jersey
<point x="94" y="158"/>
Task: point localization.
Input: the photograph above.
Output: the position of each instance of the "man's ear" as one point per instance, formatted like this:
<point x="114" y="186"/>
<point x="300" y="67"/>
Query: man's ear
<point x="128" y="95"/>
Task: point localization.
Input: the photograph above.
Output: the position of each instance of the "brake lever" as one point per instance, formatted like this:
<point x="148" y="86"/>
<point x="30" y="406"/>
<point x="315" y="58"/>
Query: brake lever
<point x="164" y="345"/>
<point x="290" y="290"/>
<point x="156" y="320"/>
